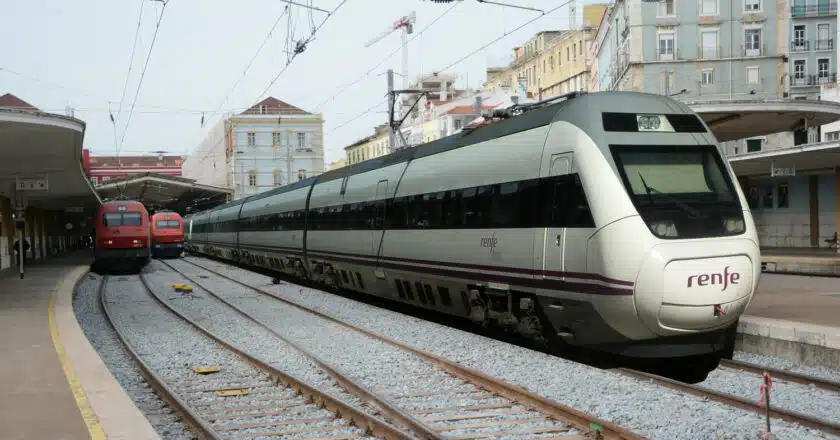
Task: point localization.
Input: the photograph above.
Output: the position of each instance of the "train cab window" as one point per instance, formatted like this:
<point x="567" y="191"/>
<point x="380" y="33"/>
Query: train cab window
<point x="167" y="224"/>
<point x="122" y="219"/>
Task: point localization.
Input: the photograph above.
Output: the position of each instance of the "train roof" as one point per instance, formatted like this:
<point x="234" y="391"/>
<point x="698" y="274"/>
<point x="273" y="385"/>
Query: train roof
<point x="581" y="106"/>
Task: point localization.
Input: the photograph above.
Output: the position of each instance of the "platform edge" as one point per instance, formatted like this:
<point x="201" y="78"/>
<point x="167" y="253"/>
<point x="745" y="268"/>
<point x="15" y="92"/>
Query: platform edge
<point x="798" y="342"/>
<point x="116" y="414"/>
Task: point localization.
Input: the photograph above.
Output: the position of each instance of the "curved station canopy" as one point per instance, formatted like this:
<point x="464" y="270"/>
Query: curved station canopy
<point x="159" y="192"/>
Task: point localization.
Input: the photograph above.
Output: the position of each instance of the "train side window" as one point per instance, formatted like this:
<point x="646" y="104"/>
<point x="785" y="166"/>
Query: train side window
<point x="567" y="203"/>
<point x="408" y="292"/>
<point x="396" y="213"/>
<point x="419" y="287"/>
<point x="430" y="296"/>
<point x="443" y="292"/>
<point x="505" y="205"/>
<point x="450" y="209"/>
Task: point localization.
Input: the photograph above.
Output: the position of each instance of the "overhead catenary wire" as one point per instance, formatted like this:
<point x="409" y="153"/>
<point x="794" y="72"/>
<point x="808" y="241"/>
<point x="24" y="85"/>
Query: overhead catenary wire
<point x="463" y="58"/>
<point x="131" y="58"/>
<point x="387" y="57"/>
<point x="143" y="74"/>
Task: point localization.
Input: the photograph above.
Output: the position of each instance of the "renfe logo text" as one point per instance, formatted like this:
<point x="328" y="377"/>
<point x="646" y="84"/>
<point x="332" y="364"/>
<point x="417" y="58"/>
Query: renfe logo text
<point x="726" y="278"/>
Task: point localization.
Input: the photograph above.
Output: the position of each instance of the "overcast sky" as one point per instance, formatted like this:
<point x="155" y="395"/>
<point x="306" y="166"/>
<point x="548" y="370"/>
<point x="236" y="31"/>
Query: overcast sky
<point x="55" y="53"/>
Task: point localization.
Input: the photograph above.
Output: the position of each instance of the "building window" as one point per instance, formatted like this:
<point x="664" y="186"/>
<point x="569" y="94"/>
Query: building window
<point x="782" y="199"/>
<point x="252" y="139"/>
<point x="559" y="57"/>
<point x="301" y="141"/>
<point x="753" y="76"/>
<point x="574" y="51"/>
<point x="543" y="66"/>
<point x="263" y="109"/>
<point x="709" y="41"/>
<point x="252" y="178"/>
<point x="301" y="174"/>
<point x="823" y="66"/>
<point x="668" y="81"/>
<point x="276" y="139"/>
<point x="708" y="7"/>
<point x="666" y="8"/>
<point x="752" y="5"/>
<point x="458" y="124"/>
<point x="666" y="46"/>
<point x="278" y="178"/>
<point x="830" y="136"/>
<point x="105" y="179"/>
<point x="753" y="145"/>
<point x="767" y="197"/>
<point x="567" y="54"/>
<point x="824" y="41"/>
<point x="799" y="69"/>
<point x="799" y="43"/>
<point x="707" y="77"/>
<point x="752" y="42"/>
<point x="580" y="47"/>
<point x="94" y="180"/>
<point x="551" y="62"/>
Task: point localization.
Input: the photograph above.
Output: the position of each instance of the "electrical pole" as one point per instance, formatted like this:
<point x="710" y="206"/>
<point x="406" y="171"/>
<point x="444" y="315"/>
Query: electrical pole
<point x="392" y="146"/>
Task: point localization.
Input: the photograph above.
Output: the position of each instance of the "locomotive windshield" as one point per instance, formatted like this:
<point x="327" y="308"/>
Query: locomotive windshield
<point x="167" y="224"/>
<point x="680" y="191"/>
<point x="122" y="219"/>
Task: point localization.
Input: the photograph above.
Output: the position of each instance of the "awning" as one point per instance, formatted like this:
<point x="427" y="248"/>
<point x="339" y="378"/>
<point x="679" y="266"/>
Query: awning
<point x="810" y="158"/>
<point x="158" y="191"/>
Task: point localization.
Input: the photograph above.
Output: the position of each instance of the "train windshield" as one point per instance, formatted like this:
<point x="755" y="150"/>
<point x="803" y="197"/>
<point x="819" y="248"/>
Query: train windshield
<point x="681" y="191"/>
<point x="122" y="219"/>
<point x="167" y="224"/>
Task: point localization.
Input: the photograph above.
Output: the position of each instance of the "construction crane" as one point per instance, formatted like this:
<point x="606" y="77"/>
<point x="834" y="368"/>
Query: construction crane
<point x="406" y="25"/>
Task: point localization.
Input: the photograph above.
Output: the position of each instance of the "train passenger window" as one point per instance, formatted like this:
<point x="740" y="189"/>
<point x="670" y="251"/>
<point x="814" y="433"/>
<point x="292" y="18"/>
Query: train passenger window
<point x="419" y="287"/>
<point x="408" y="292"/>
<point x="400" y="290"/>
<point x="429" y="294"/>
<point x="505" y="205"/>
<point x="450" y="209"/>
<point x="444" y="296"/>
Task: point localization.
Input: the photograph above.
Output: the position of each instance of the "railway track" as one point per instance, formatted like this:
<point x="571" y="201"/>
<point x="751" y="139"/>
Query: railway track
<point x="238" y="405"/>
<point x="505" y="410"/>
<point x="777" y="374"/>
<point x="739" y="402"/>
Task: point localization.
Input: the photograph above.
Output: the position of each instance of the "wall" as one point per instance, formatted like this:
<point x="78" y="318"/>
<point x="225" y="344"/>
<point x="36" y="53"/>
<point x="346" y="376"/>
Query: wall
<point x="207" y="163"/>
<point x="790" y="227"/>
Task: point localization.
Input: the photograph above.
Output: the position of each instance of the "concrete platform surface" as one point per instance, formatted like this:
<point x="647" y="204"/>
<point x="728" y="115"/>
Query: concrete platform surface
<point x="816" y="261"/>
<point x="55" y="384"/>
<point x="815" y="300"/>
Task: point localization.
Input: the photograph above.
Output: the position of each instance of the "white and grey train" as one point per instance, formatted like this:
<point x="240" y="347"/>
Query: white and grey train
<point x="608" y="220"/>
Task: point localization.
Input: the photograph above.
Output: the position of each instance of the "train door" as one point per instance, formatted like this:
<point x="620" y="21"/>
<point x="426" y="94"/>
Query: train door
<point x="378" y="216"/>
<point x="555" y="234"/>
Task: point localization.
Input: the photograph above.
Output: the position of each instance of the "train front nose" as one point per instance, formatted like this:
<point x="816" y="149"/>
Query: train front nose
<point x="693" y="287"/>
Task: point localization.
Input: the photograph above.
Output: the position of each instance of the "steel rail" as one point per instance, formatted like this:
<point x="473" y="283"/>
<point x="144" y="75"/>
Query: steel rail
<point x="789" y="376"/>
<point x="419" y="428"/>
<point x="352" y="414"/>
<point x="734" y="401"/>
<point x="201" y="428"/>
<point x="587" y="423"/>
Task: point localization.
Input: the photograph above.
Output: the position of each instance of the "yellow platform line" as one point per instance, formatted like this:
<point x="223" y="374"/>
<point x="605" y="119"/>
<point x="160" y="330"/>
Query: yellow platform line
<point x="92" y="422"/>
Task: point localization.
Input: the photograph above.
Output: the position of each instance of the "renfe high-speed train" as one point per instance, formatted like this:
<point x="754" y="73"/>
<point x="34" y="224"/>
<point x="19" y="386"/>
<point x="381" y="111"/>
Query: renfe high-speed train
<point x="608" y="220"/>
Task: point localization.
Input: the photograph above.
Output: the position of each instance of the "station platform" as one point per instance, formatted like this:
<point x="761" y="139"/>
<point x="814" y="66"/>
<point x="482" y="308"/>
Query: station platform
<point x="55" y="384"/>
<point x="811" y="261"/>
<point x="794" y="317"/>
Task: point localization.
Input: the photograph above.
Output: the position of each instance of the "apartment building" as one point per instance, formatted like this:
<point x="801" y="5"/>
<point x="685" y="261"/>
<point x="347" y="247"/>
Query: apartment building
<point x="100" y="169"/>
<point x="813" y="55"/>
<point x="271" y="144"/>
<point x="368" y="147"/>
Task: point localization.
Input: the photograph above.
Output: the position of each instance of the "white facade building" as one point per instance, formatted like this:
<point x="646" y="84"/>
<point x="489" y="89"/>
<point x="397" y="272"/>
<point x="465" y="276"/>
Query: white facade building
<point x="269" y="145"/>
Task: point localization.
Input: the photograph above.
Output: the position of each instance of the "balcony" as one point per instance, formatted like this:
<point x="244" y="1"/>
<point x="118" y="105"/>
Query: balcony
<point x="813" y="80"/>
<point x="708" y="53"/>
<point x="800" y="46"/>
<point x="822" y="9"/>
<point x="824" y="44"/>
<point x="753" y="51"/>
<point x="670" y="56"/>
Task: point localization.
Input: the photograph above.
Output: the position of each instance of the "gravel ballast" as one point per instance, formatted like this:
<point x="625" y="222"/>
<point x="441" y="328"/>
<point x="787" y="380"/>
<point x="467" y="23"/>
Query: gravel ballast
<point x="379" y="367"/>
<point x="649" y="410"/>
<point x="172" y="347"/>
<point x="120" y="363"/>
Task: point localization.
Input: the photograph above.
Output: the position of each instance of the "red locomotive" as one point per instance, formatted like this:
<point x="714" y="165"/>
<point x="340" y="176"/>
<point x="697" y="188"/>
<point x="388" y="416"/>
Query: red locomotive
<point x="167" y="234"/>
<point x="122" y="235"/>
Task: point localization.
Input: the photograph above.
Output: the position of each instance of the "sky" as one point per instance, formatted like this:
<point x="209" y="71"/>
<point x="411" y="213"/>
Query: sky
<point x="59" y="53"/>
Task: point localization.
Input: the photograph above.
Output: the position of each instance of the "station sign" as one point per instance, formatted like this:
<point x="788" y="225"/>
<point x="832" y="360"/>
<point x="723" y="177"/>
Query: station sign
<point x="74" y="209"/>
<point x="32" y="184"/>
<point x="782" y="172"/>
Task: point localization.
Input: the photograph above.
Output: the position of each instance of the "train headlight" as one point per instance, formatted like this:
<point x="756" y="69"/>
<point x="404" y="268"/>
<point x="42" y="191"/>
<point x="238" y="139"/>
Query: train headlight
<point x="137" y="242"/>
<point x="735" y="225"/>
<point x="110" y="241"/>
<point x="664" y="228"/>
